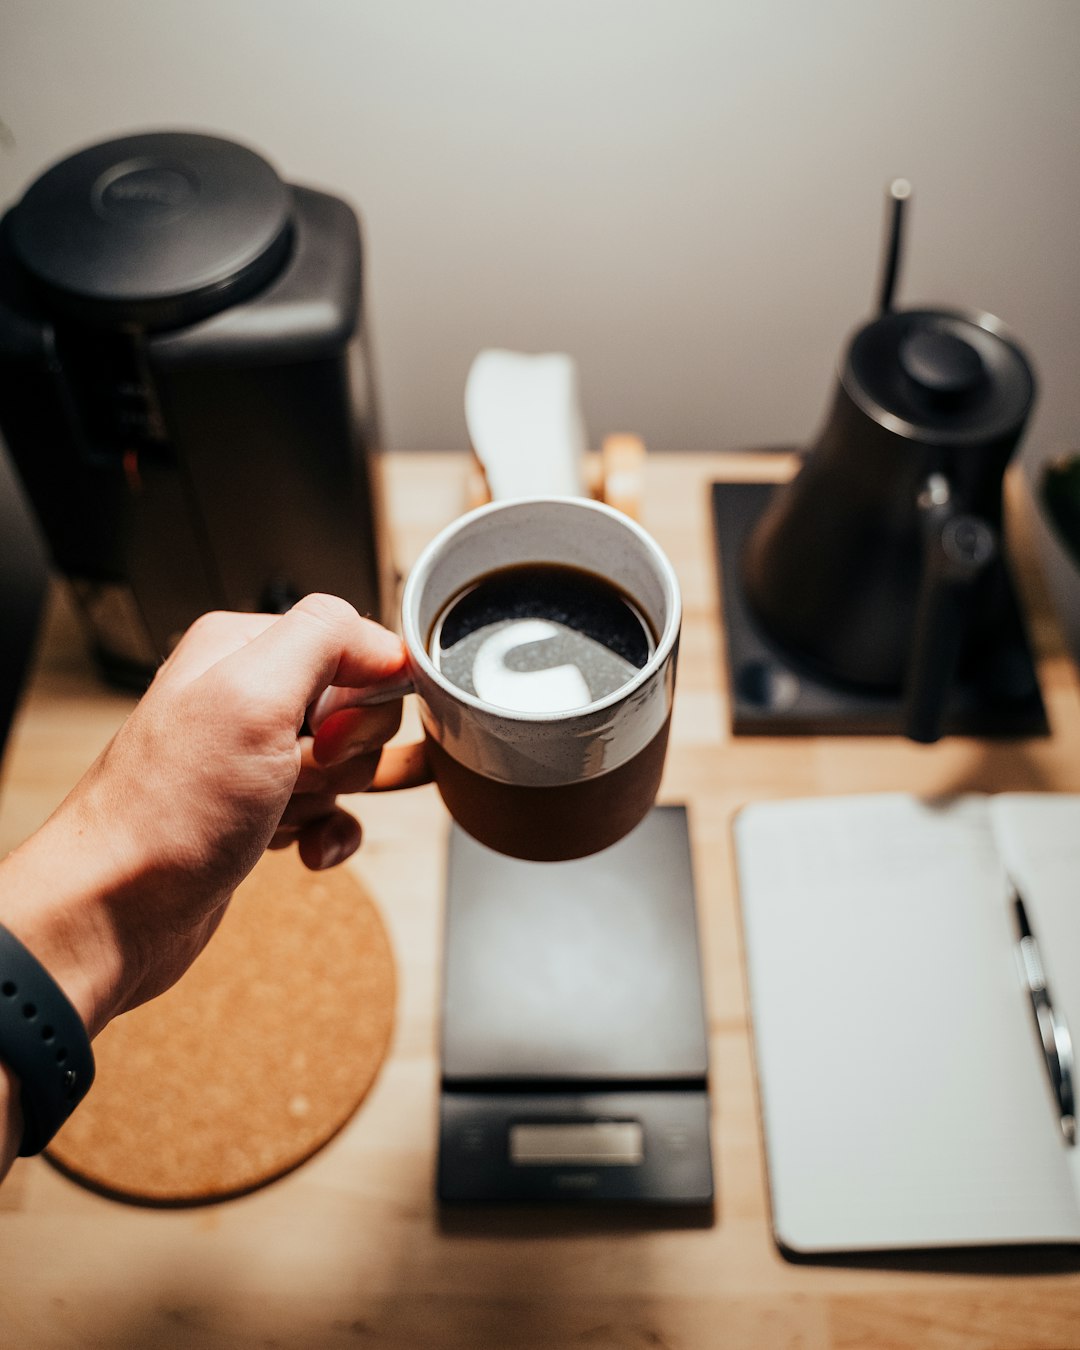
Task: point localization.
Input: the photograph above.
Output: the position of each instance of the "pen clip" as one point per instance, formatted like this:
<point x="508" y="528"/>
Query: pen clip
<point x="1054" y="1036"/>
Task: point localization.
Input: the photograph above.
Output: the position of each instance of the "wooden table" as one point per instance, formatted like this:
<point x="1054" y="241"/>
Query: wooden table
<point x="350" y="1250"/>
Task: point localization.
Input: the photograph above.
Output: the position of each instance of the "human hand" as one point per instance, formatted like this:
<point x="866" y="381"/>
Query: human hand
<point x="122" y="887"/>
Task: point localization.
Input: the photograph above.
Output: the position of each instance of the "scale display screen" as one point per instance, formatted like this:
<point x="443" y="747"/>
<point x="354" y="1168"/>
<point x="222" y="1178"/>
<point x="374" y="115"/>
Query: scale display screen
<point x="592" y="1143"/>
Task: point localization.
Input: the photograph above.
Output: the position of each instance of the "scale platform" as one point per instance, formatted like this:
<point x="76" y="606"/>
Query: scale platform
<point x="574" y="1046"/>
<point x="996" y="692"/>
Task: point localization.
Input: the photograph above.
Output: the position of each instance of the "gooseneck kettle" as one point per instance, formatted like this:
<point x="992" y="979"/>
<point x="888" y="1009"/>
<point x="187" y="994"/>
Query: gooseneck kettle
<point x="868" y="566"/>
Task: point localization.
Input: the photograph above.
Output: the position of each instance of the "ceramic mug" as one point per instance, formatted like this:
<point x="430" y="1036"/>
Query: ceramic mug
<point x="555" y="784"/>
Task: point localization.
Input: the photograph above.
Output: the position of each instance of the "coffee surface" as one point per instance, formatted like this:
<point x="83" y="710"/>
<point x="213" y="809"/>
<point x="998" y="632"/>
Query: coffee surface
<point x="540" y="638"/>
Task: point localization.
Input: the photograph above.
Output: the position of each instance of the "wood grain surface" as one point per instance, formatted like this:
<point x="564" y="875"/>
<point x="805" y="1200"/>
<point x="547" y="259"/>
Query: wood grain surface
<point x="350" y="1249"/>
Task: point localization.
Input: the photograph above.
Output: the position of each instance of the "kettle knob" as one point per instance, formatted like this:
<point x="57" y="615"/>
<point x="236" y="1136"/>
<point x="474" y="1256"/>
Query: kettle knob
<point x="943" y="367"/>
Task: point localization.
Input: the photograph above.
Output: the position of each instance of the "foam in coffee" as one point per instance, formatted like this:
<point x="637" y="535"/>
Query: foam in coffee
<point x="540" y="638"/>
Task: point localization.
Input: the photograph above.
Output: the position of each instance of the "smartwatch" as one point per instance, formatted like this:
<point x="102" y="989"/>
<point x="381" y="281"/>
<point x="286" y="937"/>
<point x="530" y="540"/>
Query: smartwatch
<point x="42" y="1041"/>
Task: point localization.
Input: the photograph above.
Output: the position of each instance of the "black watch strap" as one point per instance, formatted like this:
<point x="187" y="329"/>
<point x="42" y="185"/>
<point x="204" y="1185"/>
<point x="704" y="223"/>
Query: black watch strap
<point x="42" y="1041"/>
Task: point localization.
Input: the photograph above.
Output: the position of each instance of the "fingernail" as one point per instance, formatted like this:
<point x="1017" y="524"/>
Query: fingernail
<point x="335" y="853"/>
<point x="343" y="839"/>
<point x="358" y="744"/>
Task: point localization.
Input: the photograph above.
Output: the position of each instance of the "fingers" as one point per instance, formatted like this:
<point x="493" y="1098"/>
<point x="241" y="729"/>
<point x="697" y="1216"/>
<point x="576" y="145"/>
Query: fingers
<point x="336" y="698"/>
<point x="259" y="674"/>
<point x="324" y="841"/>
<point x="386" y="770"/>
<point x="321" y="641"/>
<point x="307" y="817"/>
<point x="354" y="775"/>
<point x="355" y="731"/>
<point x="329" y="841"/>
<point x="302" y="810"/>
<point x="319" y="657"/>
<point x="211" y="637"/>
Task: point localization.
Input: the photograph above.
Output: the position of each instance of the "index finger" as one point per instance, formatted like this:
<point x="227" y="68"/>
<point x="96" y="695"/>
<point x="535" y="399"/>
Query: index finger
<point x="212" y="636"/>
<point x="321" y="641"/>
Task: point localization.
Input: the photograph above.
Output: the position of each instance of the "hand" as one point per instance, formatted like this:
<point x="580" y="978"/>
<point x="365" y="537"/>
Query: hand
<point x="123" y="886"/>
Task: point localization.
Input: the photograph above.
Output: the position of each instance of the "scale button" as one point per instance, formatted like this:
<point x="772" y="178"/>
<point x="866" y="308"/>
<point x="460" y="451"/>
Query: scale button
<point x="677" y="1139"/>
<point x="473" y="1138"/>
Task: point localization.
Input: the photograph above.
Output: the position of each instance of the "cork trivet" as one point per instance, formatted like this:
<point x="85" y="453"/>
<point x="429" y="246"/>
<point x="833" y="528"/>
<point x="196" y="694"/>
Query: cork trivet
<point x="249" y="1064"/>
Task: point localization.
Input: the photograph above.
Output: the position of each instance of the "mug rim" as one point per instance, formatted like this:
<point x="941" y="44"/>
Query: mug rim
<point x="421" y="569"/>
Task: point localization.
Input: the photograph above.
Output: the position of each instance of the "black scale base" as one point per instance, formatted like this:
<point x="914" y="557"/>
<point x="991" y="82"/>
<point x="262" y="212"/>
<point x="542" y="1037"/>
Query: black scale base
<point x="772" y="695"/>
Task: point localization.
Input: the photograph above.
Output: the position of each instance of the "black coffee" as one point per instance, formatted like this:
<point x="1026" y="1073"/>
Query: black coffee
<point x="540" y="638"/>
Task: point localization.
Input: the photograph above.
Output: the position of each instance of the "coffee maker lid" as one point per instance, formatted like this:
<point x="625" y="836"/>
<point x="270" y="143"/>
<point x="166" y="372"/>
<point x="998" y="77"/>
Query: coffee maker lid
<point x="158" y="229"/>
<point x="950" y="376"/>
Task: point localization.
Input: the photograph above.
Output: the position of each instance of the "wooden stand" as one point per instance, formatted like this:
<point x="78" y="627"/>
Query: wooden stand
<point x="612" y="475"/>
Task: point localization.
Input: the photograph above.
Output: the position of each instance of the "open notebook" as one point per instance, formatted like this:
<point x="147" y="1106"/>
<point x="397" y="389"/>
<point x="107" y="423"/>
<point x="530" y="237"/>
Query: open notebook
<point x="905" y="1097"/>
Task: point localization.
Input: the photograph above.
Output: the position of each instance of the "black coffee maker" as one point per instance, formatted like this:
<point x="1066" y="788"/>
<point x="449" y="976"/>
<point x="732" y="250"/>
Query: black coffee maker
<point x="876" y="577"/>
<point x="186" y="389"/>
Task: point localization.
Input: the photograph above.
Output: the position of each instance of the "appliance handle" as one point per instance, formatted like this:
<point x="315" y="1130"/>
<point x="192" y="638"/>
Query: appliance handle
<point x="958" y="549"/>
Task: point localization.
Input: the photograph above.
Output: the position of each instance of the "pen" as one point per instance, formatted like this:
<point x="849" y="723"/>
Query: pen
<point x="1053" y="1033"/>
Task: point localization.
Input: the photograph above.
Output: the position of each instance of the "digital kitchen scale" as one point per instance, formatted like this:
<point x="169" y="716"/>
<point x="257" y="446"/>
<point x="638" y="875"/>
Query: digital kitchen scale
<point x="574" y="1050"/>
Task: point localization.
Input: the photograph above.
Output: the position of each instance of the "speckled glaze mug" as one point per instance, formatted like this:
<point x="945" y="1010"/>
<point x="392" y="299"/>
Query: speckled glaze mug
<point x="546" y="786"/>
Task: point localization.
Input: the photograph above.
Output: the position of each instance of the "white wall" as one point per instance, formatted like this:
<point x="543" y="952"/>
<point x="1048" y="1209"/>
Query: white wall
<point x="686" y="194"/>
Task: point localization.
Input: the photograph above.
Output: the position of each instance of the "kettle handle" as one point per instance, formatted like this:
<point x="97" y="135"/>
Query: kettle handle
<point x="958" y="549"/>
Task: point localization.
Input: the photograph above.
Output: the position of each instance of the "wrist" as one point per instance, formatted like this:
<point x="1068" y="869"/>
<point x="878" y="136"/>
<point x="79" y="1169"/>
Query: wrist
<point x="53" y="900"/>
<point x="44" y="1045"/>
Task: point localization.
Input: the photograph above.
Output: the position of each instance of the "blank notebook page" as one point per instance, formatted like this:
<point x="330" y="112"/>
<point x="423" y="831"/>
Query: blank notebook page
<point x="905" y="1102"/>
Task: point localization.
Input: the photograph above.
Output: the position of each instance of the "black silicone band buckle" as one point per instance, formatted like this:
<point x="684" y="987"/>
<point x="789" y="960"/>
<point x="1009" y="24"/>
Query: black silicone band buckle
<point x="42" y="1041"/>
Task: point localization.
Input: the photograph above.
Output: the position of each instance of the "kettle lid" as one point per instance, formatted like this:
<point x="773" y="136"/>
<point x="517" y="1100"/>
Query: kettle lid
<point x="157" y="229"/>
<point x="947" y="376"/>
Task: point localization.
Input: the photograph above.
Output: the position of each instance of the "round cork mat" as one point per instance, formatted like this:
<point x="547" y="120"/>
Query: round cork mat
<point x="254" y="1059"/>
